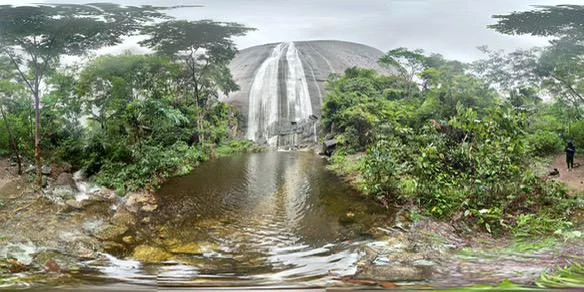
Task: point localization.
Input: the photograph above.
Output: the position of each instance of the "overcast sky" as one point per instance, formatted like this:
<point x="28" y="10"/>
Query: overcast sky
<point x="453" y="28"/>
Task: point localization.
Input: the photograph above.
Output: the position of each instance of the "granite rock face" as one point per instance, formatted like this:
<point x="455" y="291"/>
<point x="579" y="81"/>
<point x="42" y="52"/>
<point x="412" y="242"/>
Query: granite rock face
<point x="282" y="87"/>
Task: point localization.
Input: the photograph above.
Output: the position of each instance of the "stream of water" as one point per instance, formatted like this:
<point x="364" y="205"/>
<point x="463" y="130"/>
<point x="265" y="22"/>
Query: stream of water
<point x="274" y="218"/>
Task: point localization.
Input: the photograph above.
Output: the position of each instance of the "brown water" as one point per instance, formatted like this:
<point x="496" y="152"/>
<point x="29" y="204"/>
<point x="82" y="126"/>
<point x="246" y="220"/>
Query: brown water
<point x="274" y="218"/>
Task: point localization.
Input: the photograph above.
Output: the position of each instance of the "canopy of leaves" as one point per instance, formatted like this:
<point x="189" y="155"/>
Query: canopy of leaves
<point x="71" y="29"/>
<point x="215" y="38"/>
<point x="562" y="21"/>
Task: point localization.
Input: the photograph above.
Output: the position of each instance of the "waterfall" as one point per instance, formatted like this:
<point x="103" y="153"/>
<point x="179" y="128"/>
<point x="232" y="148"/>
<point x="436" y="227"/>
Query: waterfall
<point x="279" y="100"/>
<point x="263" y="101"/>
<point x="299" y="106"/>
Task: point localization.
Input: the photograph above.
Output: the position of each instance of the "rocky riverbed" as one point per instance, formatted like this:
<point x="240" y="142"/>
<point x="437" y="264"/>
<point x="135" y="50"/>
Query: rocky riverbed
<point x="49" y="238"/>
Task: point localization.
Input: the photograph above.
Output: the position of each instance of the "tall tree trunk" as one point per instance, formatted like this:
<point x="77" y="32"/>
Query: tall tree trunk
<point x="37" y="140"/>
<point x="12" y="141"/>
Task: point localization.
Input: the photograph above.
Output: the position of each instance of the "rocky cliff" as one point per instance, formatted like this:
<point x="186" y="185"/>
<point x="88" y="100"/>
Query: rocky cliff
<point x="282" y="86"/>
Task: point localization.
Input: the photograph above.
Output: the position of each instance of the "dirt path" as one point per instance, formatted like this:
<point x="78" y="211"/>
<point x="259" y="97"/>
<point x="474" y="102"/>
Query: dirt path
<point x="574" y="180"/>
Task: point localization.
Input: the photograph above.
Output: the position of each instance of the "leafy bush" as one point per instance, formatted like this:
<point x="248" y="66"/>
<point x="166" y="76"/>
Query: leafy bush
<point x="576" y="133"/>
<point x="149" y="166"/>
<point x="545" y="143"/>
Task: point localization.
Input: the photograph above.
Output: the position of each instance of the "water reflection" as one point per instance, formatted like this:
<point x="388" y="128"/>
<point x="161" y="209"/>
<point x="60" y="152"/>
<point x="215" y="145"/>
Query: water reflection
<point x="265" y="218"/>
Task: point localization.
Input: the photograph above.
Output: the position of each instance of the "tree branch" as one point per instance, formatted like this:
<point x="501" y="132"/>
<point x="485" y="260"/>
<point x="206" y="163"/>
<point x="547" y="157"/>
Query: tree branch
<point x="22" y="75"/>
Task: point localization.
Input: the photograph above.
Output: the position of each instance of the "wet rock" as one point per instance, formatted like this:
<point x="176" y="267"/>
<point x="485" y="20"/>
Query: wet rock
<point x="111" y="232"/>
<point x="21" y="252"/>
<point x="392" y="273"/>
<point x="56" y="261"/>
<point x="151" y="254"/>
<point x="73" y="205"/>
<point x="188" y="248"/>
<point x="142" y="201"/>
<point x="128" y="239"/>
<point x="46" y="170"/>
<point x="66" y="179"/>
<point x="381" y="261"/>
<point x="107" y="195"/>
<point x="64" y="192"/>
<point x="113" y="247"/>
<point x="92" y="226"/>
<point x="123" y="217"/>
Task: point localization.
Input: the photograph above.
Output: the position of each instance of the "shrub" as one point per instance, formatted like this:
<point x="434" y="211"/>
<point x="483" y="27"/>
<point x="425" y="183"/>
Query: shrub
<point x="545" y="143"/>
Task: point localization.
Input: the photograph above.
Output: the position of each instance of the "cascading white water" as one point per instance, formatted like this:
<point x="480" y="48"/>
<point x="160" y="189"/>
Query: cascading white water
<point x="265" y="121"/>
<point x="263" y="98"/>
<point x="298" y="97"/>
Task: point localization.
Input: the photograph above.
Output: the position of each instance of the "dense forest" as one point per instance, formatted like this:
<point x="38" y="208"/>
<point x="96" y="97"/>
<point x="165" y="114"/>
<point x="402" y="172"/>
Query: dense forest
<point x="459" y="141"/>
<point x="127" y="120"/>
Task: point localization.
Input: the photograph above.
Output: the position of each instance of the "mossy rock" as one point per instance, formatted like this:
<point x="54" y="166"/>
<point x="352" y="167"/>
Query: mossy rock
<point x="111" y="232"/>
<point x="151" y="254"/>
<point x="187" y="248"/>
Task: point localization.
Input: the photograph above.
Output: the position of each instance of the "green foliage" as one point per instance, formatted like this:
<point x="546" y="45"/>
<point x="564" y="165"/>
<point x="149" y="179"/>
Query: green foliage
<point x="147" y="166"/>
<point x="567" y="277"/>
<point x="545" y="142"/>
<point x="456" y="150"/>
<point x="558" y="21"/>
<point x="576" y="133"/>
<point x="235" y="146"/>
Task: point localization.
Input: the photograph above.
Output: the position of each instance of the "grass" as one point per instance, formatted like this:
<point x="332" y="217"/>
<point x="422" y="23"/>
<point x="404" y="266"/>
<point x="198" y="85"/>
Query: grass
<point x="567" y="277"/>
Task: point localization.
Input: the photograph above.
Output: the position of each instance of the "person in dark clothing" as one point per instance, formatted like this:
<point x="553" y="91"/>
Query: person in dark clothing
<point x="570" y="152"/>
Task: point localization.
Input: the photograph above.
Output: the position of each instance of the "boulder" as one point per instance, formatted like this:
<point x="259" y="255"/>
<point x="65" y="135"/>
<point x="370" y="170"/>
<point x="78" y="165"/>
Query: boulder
<point x="66" y="179"/>
<point x="111" y="232"/>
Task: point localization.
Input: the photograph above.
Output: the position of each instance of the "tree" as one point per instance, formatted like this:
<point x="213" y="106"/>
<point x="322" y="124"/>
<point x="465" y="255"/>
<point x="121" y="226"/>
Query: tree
<point x="559" y="68"/>
<point x="561" y="21"/>
<point x="205" y="47"/>
<point x="35" y="37"/>
<point x="409" y="63"/>
<point x="8" y="88"/>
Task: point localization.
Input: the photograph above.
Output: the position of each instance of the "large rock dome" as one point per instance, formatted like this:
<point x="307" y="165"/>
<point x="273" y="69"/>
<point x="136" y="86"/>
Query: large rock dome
<point x="282" y="86"/>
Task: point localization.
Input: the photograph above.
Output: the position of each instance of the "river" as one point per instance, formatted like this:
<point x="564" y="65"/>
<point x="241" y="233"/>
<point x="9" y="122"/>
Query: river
<point x="273" y="218"/>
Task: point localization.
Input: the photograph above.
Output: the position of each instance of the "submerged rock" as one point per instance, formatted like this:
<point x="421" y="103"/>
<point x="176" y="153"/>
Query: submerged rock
<point x="187" y="248"/>
<point x="141" y="201"/>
